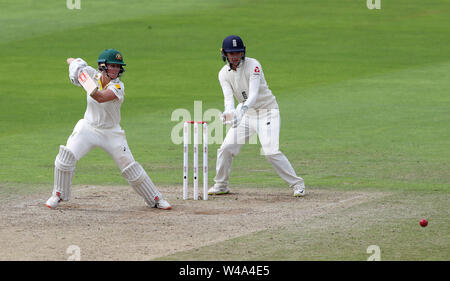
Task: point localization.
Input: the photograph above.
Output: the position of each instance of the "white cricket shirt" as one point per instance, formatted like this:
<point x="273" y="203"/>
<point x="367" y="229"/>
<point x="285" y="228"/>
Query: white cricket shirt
<point x="104" y="115"/>
<point x="247" y="84"/>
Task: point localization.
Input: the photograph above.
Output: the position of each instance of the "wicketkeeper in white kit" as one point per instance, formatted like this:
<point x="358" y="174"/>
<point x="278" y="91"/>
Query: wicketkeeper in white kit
<point x="100" y="127"/>
<point x="257" y="112"/>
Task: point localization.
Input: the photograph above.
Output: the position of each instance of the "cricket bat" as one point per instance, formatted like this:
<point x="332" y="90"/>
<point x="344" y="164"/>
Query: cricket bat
<point x="87" y="83"/>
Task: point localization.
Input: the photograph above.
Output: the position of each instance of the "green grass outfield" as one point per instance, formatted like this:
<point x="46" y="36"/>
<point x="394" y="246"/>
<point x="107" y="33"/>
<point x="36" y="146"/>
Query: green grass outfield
<point x="363" y="94"/>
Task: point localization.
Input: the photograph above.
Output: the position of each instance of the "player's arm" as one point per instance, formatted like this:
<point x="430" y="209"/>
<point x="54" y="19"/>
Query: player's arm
<point x="76" y="69"/>
<point x="104" y="95"/>
<point x="112" y="92"/>
<point x="253" y="91"/>
<point x="253" y="87"/>
<point x="228" y="99"/>
<point x="227" y="93"/>
<point x="80" y="74"/>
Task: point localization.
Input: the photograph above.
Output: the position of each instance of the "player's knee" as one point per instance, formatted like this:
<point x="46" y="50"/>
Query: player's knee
<point x="133" y="173"/>
<point x="65" y="160"/>
<point x="273" y="155"/>
<point x="270" y="149"/>
<point x="124" y="161"/>
<point x="230" y="148"/>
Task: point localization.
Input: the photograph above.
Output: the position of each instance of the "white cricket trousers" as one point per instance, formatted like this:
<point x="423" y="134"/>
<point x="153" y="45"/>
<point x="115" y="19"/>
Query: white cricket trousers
<point x="85" y="137"/>
<point x="266" y="124"/>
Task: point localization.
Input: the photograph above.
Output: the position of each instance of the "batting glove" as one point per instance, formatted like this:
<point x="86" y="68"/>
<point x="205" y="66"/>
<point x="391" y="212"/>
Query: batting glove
<point x="74" y="70"/>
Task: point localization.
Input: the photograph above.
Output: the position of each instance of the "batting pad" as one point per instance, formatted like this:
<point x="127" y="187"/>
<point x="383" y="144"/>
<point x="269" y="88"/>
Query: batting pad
<point x="64" y="171"/>
<point x="141" y="183"/>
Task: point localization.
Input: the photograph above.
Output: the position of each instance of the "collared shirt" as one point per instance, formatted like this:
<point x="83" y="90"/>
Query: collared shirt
<point x="247" y="84"/>
<point x="104" y="115"/>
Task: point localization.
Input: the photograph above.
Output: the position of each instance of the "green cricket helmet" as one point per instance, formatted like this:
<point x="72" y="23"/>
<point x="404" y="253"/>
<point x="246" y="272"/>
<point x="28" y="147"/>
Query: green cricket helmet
<point x="110" y="56"/>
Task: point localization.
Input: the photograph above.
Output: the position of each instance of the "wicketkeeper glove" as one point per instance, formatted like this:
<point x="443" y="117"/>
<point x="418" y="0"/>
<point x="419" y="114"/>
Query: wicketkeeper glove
<point x="227" y="117"/>
<point x="238" y="114"/>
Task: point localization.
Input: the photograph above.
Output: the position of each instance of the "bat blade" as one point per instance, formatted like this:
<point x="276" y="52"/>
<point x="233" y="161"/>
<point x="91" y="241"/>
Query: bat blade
<point x="87" y="83"/>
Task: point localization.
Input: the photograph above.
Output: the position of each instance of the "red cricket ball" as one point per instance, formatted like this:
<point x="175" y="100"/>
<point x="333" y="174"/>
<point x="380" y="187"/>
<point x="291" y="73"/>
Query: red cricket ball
<point x="423" y="222"/>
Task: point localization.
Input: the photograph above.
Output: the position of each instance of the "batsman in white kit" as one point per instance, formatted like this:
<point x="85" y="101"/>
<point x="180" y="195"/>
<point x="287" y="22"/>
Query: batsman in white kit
<point x="257" y="112"/>
<point x="100" y="127"/>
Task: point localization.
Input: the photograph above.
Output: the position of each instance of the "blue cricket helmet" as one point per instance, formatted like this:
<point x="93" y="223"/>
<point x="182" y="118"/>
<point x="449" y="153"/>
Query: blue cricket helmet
<point x="232" y="43"/>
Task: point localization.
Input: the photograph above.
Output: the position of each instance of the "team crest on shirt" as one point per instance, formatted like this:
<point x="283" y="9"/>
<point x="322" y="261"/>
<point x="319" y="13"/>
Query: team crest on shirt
<point x="256" y="71"/>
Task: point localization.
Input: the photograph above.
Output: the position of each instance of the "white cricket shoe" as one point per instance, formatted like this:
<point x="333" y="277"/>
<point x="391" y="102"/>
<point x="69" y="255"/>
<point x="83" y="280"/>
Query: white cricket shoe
<point x="53" y="201"/>
<point x="160" y="204"/>
<point x="218" y="190"/>
<point x="299" y="189"/>
<point x="163" y="204"/>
